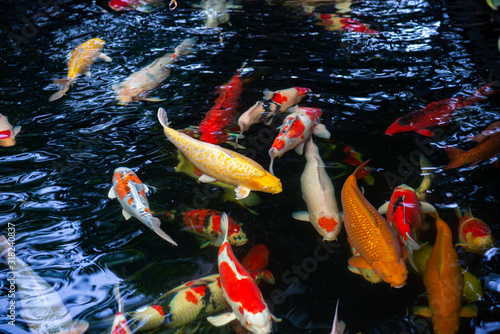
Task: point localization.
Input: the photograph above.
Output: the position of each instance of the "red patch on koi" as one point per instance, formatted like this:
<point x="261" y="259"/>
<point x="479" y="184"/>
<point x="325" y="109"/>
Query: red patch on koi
<point x="280" y="98"/>
<point x="279" y="144"/>
<point x="476" y="227"/>
<point x="130" y="201"/>
<point x="302" y="91"/>
<point x="159" y="309"/>
<point x="327" y="224"/>
<point x="190" y="297"/>
<point x="4" y="134"/>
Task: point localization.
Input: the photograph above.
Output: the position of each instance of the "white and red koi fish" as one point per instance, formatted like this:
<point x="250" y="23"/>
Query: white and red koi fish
<point x="297" y="128"/>
<point x="241" y="293"/>
<point x="319" y="194"/>
<point x="41" y="306"/>
<point x="335" y="22"/>
<point x="404" y="212"/>
<point x="273" y="103"/>
<point x="146" y="6"/>
<point x="120" y="325"/>
<point x="218" y="163"/>
<point x="8" y="133"/>
<point x="131" y="194"/>
<point x="473" y="233"/>
<point x="338" y="326"/>
<point x="138" y="85"/>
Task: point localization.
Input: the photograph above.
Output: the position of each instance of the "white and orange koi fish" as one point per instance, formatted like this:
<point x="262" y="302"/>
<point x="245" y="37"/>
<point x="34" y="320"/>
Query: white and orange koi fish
<point x="8" y="133"/>
<point x="131" y="194"/>
<point x="272" y="103"/>
<point x="241" y="293"/>
<point x="218" y="163"/>
<point x="120" y="325"/>
<point x="318" y="192"/>
<point x="297" y="128"/>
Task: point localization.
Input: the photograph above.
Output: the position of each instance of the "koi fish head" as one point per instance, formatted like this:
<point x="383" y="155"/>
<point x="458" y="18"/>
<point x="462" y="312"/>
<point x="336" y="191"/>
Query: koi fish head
<point x="258" y="323"/>
<point x="302" y="91"/>
<point x="267" y="183"/>
<point x="7" y="138"/>
<point x="475" y="235"/>
<point x="237" y="238"/>
<point x="96" y="43"/>
<point x="394" y="273"/>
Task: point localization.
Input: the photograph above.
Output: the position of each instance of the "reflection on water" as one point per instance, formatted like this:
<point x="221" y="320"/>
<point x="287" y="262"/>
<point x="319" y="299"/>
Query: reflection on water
<point x="54" y="182"/>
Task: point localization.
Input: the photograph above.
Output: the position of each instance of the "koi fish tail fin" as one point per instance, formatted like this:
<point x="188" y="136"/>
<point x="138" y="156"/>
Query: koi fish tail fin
<point x="155" y="226"/>
<point x="358" y="172"/>
<point x="338" y="326"/>
<point x="4" y="246"/>
<point x="162" y="117"/>
<point x="486" y="90"/>
<point x="118" y="297"/>
<point x="186" y="47"/>
<point x="411" y="246"/>
<point x="66" y="84"/>
<point x="426" y="170"/>
<point x="455" y="155"/>
<point x="458" y="212"/>
<point x="224" y="225"/>
<point x="271" y="166"/>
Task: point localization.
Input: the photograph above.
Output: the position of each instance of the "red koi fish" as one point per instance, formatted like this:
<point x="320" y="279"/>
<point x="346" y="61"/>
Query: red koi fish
<point x="297" y="128"/>
<point x="487" y="148"/>
<point x="120" y="325"/>
<point x="206" y="224"/>
<point x="241" y="292"/>
<point x="8" y="133"/>
<point x="473" y="233"/>
<point x="145" y="6"/>
<point x="256" y="262"/>
<point x="404" y="212"/>
<point x="334" y="22"/>
<point x="437" y="113"/>
<point x="223" y="112"/>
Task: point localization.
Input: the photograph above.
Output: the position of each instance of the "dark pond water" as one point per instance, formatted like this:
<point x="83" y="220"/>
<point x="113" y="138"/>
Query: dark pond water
<point x="54" y="181"/>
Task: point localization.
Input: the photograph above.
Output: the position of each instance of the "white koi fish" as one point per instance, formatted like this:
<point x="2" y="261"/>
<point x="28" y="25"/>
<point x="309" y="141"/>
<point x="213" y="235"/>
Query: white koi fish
<point x="138" y="85"/>
<point x="319" y="195"/>
<point x="41" y="306"/>
<point x="241" y="292"/>
<point x="131" y="194"/>
<point x="218" y="163"/>
<point x="297" y="128"/>
<point x="8" y="133"/>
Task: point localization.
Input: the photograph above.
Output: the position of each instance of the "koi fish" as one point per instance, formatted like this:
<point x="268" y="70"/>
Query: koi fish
<point x="368" y="274"/>
<point x="206" y="224"/>
<point x="319" y="195"/>
<point x="120" y="325"/>
<point x="334" y="22"/>
<point x="145" y="6"/>
<point x="444" y="284"/>
<point x="223" y="112"/>
<point x="273" y="103"/>
<point x="131" y="194"/>
<point x="371" y="235"/>
<point x="338" y="327"/>
<point x="241" y="292"/>
<point x="488" y="147"/>
<point x="473" y="233"/>
<point x="218" y="163"/>
<point x="7" y="132"/>
<point x="437" y="113"/>
<point x="216" y="12"/>
<point x="404" y="213"/>
<point x="79" y="62"/>
<point x="138" y="85"/>
<point x="297" y="128"/>
<point x="256" y="261"/>
<point x="41" y="306"/>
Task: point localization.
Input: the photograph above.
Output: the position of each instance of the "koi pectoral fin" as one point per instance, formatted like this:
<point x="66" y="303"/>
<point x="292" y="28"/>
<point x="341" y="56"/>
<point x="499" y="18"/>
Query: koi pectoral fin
<point x="206" y="178"/>
<point x="242" y="192"/>
<point x="112" y="193"/>
<point x="105" y="58"/>
<point x="126" y="214"/>
<point x="301" y="215"/>
<point x="468" y="311"/>
<point x="423" y="311"/>
<point x="359" y="262"/>
<point x="221" y="319"/>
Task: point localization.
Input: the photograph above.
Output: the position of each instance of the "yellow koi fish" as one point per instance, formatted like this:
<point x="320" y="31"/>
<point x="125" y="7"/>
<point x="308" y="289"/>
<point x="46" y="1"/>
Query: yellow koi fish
<point x="218" y="163"/>
<point x="80" y="60"/>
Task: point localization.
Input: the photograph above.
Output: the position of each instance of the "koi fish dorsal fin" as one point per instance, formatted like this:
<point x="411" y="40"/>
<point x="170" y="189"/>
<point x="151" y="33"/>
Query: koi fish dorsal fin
<point x="383" y="208"/>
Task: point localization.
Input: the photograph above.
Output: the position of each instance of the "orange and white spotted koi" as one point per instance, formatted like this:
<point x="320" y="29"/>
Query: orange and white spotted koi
<point x="131" y="194"/>
<point x="218" y="163"/>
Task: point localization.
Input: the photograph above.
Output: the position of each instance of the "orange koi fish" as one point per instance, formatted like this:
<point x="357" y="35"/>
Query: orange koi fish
<point x="488" y="147"/>
<point x="206" y="224"/>
<point x="218" y="163"/>
<point x="241" y="292"/>
<point x="223" y="112"/>
<point x="131" y="194"/>
<point x="473" y="233"/>
<point x="273" y="103"/>
<point x="444" y="284"/>
<point x="80" y="61"/>
<point x="334" y="22"/>
<point x="437" y="113"/>
<point x="8" y="133"/>
<point x="256" y="261"/>
<point x="120" y="325"/>
<point x="371" y="235"/>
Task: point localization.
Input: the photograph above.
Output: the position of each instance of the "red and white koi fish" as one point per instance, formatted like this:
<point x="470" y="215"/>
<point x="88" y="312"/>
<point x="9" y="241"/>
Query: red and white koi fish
<point x="138" y="85"/>
<point x="473" y="233"/>
<point x="241" y="292"/>
<point x="223" y="112"/>
<point x="437" y="113"/>
<point x="335" y="22"/>
<point x="338" y="326"/>
<point x="41" y="306"/>
<point x="404" y="212"/>
<point x="131" y="194"/>
<point x="7" y="132"/>
<point x="297" y="128"/>
<point x="319" y="194"/>
<point x="273" y="103"/>
<point x="120" y="325"/>
<point x="218" y="163"/>
<point x="146" y="6"/>
<point x="206" y="224"/>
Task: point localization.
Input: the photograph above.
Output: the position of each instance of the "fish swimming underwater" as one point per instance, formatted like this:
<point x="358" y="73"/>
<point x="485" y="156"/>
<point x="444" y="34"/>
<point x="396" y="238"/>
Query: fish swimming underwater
<point x="473" y="233"/>
<point x="368" y="274"/>
<point x="7" y="132"/>
<point x="216" y="12"/>
<point x="272" y="103"/>
<point x="437" y="113"/>
<point x="79" y="62"/>
<point x="319" y="194"/>
<point x="241" y="293"/>
<point x="41" y="306"/>
<point x="335" y="22"/>
<point x="131" y="194"/>
<point x="338" y="327"/>
<point x="256" y="261"/>
<point x="371" y="235"/>
<point x="137" y="86"/>
<point x="218" y="163"/>
<point x="146" y="6"/>
<point x="120" y="325"/>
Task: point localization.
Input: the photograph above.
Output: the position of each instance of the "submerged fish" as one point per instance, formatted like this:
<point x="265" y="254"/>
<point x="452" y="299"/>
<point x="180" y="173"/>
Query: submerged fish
<point x="216" y="12"/>
<point x="338" y="327"/>
<point x="146" y="6"/>
<point x="8" y="133"/>
<point x="120" y="325"/>
<point x="335" y="22"/>
<point x="473" y="233"/>
<point x="41" y="306"/>
<point x="80" y="61"/>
